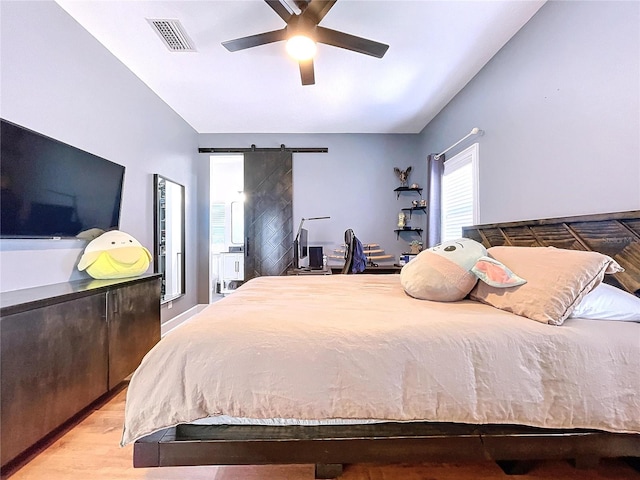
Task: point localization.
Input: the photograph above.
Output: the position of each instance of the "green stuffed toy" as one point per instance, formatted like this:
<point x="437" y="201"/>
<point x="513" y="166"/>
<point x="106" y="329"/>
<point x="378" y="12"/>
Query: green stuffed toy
<point x="449" y="271"/>
<point x="114" y="254"/>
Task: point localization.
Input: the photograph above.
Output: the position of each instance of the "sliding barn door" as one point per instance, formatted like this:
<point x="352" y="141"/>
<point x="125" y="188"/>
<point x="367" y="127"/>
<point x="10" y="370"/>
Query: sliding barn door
<point x="268" y="223"/>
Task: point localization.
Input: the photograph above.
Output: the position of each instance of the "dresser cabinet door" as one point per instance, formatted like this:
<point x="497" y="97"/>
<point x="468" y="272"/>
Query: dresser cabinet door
<point x="134" y="326"/>
<point x="53" y="363"/>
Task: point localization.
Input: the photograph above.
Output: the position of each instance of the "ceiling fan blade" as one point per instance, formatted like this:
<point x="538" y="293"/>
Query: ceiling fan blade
<point x="350" y="42"/>
<point x="317" y="9"/>
<point x="280" y="9"/>
<point x="255" y="40"/>
<point x="306" y="72"/>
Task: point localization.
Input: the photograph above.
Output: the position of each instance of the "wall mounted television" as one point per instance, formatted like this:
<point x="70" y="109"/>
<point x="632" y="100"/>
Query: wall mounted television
<point x="53" y="190"/>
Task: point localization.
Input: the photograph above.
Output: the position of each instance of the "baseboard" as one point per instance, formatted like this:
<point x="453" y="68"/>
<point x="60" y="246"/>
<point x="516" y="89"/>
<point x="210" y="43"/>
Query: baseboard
<point x="178" y="320"/>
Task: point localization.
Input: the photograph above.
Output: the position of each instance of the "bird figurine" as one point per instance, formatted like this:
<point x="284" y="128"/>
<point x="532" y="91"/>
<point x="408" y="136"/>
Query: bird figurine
<point x="403" y="175"/>
<point x="114" y="254"/>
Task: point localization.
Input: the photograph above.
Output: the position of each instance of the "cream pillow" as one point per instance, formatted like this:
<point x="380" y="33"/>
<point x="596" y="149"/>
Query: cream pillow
<point x="557" y="279"/>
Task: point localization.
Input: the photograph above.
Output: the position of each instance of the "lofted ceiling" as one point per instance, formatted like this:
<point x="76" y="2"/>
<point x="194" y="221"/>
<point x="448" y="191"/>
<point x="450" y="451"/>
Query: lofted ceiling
<point x="436" y="47"/>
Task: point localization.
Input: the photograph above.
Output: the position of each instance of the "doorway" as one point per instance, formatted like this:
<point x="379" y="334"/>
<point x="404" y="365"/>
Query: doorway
<point x="251" y="215"/>
<point x="226" y="236"/>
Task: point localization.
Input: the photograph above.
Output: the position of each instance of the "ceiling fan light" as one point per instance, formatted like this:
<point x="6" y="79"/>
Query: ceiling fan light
<point x="301" y="47"/>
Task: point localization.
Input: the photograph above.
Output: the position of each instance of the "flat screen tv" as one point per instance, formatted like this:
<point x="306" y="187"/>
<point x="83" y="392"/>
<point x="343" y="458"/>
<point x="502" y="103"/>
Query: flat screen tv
<point x="53" y="190"/>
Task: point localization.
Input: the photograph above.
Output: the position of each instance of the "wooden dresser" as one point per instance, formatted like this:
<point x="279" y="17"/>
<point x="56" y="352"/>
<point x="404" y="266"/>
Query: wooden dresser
<point x="380" y="269"/>
<point x="63" y="346"/>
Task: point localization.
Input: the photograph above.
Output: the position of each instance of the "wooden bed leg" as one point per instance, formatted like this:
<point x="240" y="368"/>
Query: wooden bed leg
<point x="516" y="467"/>
<point x="586" y="462"/>
<point x="328" y="470"/>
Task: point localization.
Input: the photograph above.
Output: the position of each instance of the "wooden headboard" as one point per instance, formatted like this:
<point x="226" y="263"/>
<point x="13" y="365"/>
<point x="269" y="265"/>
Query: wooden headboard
<point x="614" y="234"/>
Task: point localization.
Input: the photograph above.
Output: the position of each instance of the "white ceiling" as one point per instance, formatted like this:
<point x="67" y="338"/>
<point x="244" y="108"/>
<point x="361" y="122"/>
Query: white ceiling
<point x="436" y="47"/>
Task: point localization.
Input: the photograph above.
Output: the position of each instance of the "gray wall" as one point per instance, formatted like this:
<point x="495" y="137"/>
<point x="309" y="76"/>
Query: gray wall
<point x="560" y="107"/>
<point x="353" y="184"/>
<point x="58" y="80"/>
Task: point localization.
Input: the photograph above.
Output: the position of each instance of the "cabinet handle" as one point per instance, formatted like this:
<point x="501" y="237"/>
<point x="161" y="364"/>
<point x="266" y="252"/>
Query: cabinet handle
<point x="237" y="266"/>
<point x="114" y="301"/>
<point x="247" y="247"/>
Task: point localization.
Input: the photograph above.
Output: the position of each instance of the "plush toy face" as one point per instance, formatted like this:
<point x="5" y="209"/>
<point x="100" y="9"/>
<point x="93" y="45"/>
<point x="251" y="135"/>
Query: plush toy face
<point x="114" y="254"/>
<point x="463" y="252"/>
<point x="449" y="271"/>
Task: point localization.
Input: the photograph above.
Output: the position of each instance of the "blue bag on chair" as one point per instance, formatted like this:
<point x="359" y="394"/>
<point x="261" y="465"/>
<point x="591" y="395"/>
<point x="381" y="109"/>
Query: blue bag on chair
<point x="355" y="261"/>
<point x="359" y="258"/>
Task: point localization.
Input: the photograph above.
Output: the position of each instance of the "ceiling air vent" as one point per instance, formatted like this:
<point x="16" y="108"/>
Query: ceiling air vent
<point x="172" y="34"/>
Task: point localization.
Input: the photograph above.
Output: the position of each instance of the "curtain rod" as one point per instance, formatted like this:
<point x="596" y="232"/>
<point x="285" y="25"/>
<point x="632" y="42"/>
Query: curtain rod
<point x="253" y="148"/>
<point x="474" y="131"/>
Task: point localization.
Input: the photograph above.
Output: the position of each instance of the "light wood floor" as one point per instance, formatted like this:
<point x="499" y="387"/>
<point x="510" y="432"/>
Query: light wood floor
<point x="68" y="457"/>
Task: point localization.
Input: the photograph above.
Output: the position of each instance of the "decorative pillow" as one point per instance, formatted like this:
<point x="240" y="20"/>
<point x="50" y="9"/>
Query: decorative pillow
<point x="557" y="279"/>
<point x="606" y="302"/>
<point x="114" y="254"/>
<point x="448" y="272"/>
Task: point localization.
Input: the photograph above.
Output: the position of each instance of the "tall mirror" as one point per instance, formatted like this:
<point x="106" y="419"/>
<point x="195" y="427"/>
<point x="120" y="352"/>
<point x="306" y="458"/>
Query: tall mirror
<point x="169" y="236"/>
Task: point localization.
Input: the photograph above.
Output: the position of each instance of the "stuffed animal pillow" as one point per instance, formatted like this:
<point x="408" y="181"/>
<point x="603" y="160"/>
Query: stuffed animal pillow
<point x="449" y="271"/>
<point x="114" y="254"/>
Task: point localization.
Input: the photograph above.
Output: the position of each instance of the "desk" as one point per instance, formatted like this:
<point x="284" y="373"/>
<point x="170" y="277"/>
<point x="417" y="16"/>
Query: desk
<point x="307" y="271"/>
<point x="380" y="269"/>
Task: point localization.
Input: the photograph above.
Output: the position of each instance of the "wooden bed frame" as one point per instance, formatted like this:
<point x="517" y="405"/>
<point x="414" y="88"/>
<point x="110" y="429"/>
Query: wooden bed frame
<point x="513" y="447"/>
<point x="614" y="234"/>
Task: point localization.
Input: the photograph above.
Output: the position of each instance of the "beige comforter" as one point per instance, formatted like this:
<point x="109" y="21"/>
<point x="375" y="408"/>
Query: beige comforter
<point x="357" y="347"/>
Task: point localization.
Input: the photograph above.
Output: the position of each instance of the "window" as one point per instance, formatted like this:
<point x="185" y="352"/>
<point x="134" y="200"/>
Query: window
<point x="460" y="193"/>
<point x="217" y="224"/>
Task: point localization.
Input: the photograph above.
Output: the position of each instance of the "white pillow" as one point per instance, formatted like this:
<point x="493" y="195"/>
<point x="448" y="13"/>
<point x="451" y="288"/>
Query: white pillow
<point x="608" y="303"/>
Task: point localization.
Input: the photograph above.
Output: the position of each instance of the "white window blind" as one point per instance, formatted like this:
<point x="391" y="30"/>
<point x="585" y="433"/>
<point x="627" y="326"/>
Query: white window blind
<point x="459" y="193"/>
<point x="217" y="223"/>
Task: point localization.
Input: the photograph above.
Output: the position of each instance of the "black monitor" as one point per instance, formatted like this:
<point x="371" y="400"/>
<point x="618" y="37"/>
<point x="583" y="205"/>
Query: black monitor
<point x="300" y="243"/>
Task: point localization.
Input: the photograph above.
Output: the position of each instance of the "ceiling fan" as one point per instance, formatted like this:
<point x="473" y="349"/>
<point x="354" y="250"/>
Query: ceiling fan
<point x="302" y="18"/>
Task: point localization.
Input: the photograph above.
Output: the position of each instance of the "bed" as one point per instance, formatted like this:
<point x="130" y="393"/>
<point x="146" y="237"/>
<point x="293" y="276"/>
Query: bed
<point x="339" y="369"/>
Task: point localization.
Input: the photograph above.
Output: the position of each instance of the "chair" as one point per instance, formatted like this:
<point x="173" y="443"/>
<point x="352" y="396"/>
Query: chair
<point x="348" y="252"/>
<point x="355" y="260"/>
